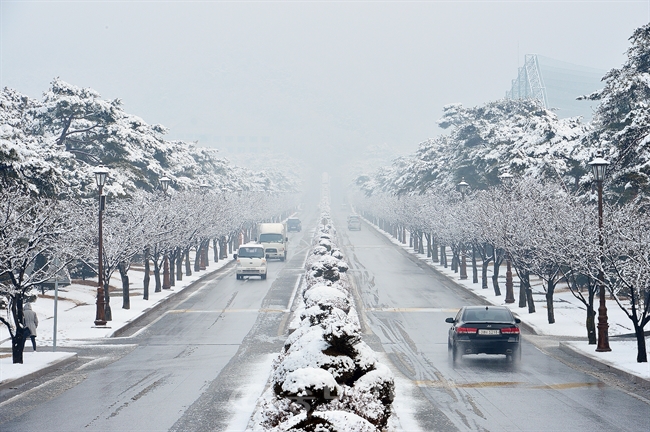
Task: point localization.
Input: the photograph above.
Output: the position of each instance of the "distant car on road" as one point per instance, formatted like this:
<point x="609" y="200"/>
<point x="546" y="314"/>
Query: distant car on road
<point x="294" y="224"/>
<point x="354" y="222"/>
<point x="484" y="329"/>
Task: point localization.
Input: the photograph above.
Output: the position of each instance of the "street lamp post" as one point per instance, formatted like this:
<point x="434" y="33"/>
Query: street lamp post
<point x="462" y="187"/>
<point x="164" y="183"/>
<point x="506" y="179"/>
<point x="599" y="166"/>
<point x="101" y="173"/>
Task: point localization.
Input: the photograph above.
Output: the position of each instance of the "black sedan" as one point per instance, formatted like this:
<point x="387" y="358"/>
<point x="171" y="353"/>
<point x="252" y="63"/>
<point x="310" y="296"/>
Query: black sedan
<point x="484" y="329"/>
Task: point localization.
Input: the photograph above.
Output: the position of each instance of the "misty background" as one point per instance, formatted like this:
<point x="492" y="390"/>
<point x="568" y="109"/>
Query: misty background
<point x="325" y="82"/>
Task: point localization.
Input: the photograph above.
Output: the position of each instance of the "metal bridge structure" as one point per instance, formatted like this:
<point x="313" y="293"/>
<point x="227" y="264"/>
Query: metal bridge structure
<point x="529" y="83"/>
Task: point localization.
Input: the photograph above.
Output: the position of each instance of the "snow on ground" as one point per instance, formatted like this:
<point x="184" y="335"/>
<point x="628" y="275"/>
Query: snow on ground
<point x="76" y="316"/>
<point x="570" y="314"/>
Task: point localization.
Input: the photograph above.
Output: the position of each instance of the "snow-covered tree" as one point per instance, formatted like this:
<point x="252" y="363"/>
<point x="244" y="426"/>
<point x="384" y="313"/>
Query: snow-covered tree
<point x="33" y="232"/>
<point x="627" y="265"/>
<point x="622" y="119"/>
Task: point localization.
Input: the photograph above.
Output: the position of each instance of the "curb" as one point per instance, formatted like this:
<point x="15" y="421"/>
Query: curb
<point x="38" y="373"/>
<point x="564" y="347"/>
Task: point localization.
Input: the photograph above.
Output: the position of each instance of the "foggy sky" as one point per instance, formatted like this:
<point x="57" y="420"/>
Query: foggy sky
<point x="326" y="76"/>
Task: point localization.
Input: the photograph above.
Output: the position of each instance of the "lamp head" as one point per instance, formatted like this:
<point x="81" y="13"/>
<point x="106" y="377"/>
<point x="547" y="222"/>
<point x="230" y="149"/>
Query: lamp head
<point x="101" y="173"/>
<point x="164" y="183"/>
<point x="463" y="186"/>
<point x="599" y="166"/>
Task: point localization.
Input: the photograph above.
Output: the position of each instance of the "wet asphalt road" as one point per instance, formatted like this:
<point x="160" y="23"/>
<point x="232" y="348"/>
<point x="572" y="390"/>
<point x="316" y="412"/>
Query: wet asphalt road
<point x="405" y="304"/>
<point x="182" y="371"/>
<point x="185" y="369"/>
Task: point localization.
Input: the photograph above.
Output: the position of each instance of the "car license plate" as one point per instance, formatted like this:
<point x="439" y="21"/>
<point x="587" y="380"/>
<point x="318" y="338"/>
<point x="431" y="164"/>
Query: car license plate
<point x="488" y="332"/>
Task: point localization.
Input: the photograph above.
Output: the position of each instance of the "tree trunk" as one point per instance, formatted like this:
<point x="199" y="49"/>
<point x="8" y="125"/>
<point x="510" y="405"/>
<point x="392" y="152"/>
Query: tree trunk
<point x="188" y="264"/>
<point x="434" y="250"/>
<point x="215" y="249"/>
<point x="495" y="273"/>
<point x="145" y="290"/>
<point x="474" y="267"/>
<point x="428" y="237"/>
<point x="18" y="345"/>
<point x="197" y="258"/>
<point x="173" y="256"/>
<point x="484" y="274"/>
<point x="443" y="255"/>
<point x="642" y="355"/>
<point x="124" y="275"/>
<point x="108" y="315"/>
<point x="591" y="326"/>
<point x="454" y="260"/>
<point x="524" y="278"/>
<point x="223" y="254"/>
<point x="179" y="264"/>
<point x="205" y="262"/>
<point x="156" y="274"/>
<point x="549" y="301"/>
<point x="522" y="294"/>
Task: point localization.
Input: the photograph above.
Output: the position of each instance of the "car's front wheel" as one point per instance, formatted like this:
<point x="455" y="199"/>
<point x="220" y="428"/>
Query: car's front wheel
<point x="264" y="276"/>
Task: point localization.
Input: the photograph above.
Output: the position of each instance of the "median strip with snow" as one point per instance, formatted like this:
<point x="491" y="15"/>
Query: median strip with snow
<point x="326" y="377"/>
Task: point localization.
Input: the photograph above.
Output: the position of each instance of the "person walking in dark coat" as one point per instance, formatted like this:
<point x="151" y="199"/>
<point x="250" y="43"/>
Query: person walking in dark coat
<point x="31" y="322"/>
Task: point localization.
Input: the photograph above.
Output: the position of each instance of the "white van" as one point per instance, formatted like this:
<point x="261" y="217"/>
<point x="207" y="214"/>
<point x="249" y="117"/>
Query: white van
<point x="273" y="236"/>
<point x="250" y="261"/>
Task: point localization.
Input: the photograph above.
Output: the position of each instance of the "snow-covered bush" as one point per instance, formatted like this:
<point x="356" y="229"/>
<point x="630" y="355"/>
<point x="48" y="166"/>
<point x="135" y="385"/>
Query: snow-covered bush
<point x="326" y="378"/>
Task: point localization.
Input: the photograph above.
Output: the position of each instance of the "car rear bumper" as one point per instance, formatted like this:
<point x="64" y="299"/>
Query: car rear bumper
<point x="488" y="347"/>
<point x="251" y="271"/>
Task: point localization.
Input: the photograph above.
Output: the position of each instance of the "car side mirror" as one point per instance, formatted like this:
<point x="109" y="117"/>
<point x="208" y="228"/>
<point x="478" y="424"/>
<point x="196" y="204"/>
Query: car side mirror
<point x="517" y="320"/>
<point x="449" y="320"/>
<point x="234" y="256"/>
<point x="286" y="239"/>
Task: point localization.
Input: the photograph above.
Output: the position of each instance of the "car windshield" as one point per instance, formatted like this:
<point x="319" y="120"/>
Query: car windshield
<point x="251" y="252"/>
<point x="354" y="218"/>
<point x="271" y="238"/>
<point x="490" y="314"/>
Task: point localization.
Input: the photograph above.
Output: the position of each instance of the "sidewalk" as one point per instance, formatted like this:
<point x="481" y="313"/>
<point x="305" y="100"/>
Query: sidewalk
<point x="75" y="321"/>
<point x="570" y="317"/>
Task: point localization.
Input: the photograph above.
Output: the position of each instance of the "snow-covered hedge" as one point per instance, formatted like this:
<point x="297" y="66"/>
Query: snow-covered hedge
<point x="326" y="378"/>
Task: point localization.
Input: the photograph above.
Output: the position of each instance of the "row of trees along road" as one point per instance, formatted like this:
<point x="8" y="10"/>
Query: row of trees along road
<point x="49" y="151"/>
<point x="545" y="221"/>
<point x="35" y="231"/>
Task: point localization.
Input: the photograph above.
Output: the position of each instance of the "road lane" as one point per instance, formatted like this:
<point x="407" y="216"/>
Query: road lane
<point x="171" y="364"/>
<point x="405" y="304"/>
